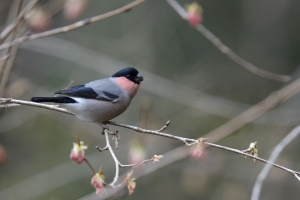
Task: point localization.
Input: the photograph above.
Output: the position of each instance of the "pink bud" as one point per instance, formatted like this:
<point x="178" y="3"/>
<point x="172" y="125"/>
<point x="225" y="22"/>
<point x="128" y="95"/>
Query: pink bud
<point x="156" y="158"/>
<point x="77" y="152"/>
<point x="136" y="153"/>
<point x="38" y="19"/>
<point x="194" y="15"/>
<point x="98" y="182"/>
<point x="194" y="19"/>
<point x="198" y="149"/>
<point x="73" y="8"/>
<point x="129" y="181"/>
<point x="3" y="155"/>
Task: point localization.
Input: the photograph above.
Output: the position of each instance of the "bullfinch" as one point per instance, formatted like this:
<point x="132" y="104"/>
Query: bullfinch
<point x="100" y="100"/>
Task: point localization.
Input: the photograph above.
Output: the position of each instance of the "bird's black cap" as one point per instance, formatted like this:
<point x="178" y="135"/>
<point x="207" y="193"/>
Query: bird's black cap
<point x="130" y="73"/>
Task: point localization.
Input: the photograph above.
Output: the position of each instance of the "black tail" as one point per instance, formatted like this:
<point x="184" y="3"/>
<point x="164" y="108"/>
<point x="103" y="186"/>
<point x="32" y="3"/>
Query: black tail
<point x="54" y="99"/>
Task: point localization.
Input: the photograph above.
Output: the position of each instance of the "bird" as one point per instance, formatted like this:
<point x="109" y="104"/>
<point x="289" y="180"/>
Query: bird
<point x="100" y="100"/>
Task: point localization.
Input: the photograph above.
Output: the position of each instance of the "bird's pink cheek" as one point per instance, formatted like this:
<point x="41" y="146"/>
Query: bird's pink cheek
<point x="128" y="86"/>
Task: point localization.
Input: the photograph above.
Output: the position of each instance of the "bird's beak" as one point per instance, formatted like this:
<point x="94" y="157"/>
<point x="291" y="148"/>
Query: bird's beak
<point x="139" y="78"/>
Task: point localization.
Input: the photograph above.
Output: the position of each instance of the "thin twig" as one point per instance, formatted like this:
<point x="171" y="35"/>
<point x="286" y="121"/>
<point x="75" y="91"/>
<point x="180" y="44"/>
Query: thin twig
<point x="226" y="50"/>
<point x="251" y="156"/>
<point x="255" y="111"/>
<point x="275" y="154"/>
<point x="164" y="127"/>
<point x="186" y="141"/>
<point x="137" y="164"/>
<point x="19" y="18"/>
<point x="101" y="149"/>
<point x="71" y="26"/>
<point x="90" y="166"/>
<point x="9" y="101"/>
<point x="116" y="178"/>
<point x="7" y="65"/>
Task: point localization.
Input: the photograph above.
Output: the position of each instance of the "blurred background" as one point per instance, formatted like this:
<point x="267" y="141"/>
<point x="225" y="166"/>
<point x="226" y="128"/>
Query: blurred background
<point x="187" y="81"/>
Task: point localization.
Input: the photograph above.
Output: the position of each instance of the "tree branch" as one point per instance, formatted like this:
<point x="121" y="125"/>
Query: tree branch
<point x="116" y="178"/>
<point x="4" y="58"/>
<point x="255" y="111"/>
<point x="19" y="18"/>
<point x="71" y="26"/>
<point x="275" y="154"/>
<point x="10" y="101"/>
<point x="186" y="141"/>
<point x="226" y="50"/>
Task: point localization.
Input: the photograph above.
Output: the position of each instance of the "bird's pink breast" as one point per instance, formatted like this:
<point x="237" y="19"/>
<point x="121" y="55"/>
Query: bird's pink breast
<point x="128" y="86"/>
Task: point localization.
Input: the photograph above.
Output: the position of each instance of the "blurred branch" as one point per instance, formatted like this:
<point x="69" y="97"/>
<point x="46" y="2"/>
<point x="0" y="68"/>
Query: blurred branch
<point x="255" y="111"/>
<point x="4" y="58"/>
<point x="226" y="50"/>
<point x="19" y="18"/>
<point x="72" y="26"/>
<point x="275" y="154"/>
<point x="6" y="66"/>
<point x="168" y="89"/>
<point x="12" y="51"/>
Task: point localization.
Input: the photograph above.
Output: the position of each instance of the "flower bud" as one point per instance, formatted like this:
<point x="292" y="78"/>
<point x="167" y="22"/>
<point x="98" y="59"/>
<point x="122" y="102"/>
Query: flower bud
<point x="98" y="182"/>
<point x="73" y="8"/>
<point x="77" y="152"/>
<point x="130" y="182"/>
<point x="194" y="16"/>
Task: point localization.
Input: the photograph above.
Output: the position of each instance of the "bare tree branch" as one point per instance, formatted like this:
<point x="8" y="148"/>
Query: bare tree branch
<point x="7" y="65"/>
<point x="19" y="18"/>
<point x="275" y="154"/>
<point x="255" y="111"/>
<point x="113" y="155"/>
<point x="71" y="26"/>
<point x="227" y="51"/>
<point x="3" y="58"/>
<point x="186" y="141"/>
<point x="6" y="101"/>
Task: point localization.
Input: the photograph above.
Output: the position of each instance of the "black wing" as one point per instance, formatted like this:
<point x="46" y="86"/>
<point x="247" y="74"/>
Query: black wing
<point x="88" y="92"/>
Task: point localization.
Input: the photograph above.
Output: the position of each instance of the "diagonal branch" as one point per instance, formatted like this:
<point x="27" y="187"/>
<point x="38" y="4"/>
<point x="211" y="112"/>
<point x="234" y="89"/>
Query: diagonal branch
<point x="19" y="18"/>
<point x="4" y="58"/>
<point x="271" y="101"/>
<point x="267" y="168"/>
<point x="226" y="50"/>
<point x="71" y="26"/>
